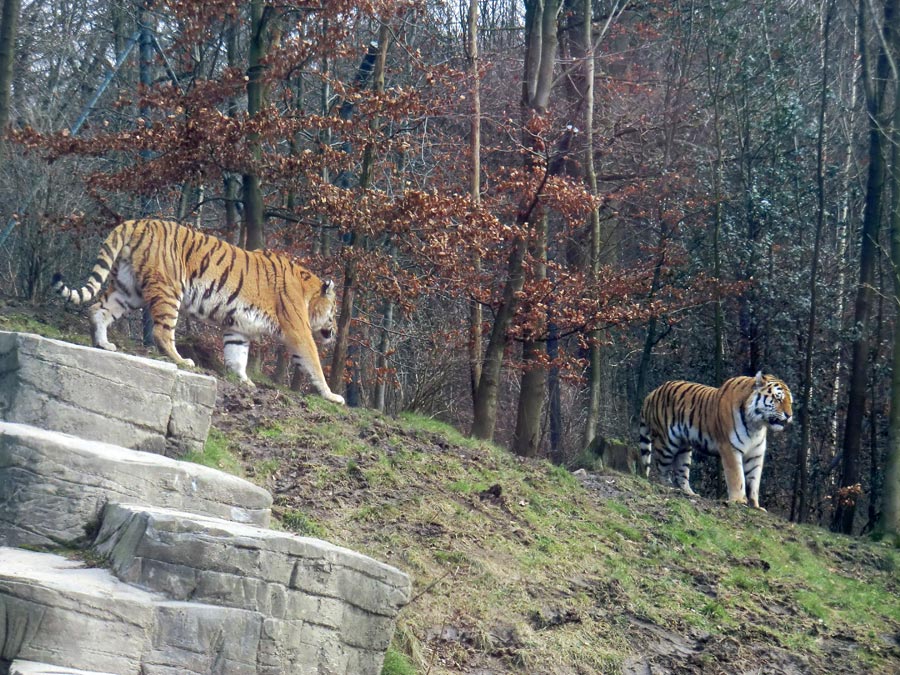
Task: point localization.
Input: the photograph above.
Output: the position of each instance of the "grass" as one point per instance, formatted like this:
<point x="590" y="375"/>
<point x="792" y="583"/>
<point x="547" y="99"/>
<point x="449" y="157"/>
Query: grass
<point x="395" y="663"/>
<point x="299" y="523"/>
<point x="23" y="323"/>
<point x="540" y="575"/>
<point x="217" y="453"/>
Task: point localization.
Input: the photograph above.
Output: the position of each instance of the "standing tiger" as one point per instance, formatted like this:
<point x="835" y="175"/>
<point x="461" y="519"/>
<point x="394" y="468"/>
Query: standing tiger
<point x="167" y="267"/>
<point x="730" y="421"/>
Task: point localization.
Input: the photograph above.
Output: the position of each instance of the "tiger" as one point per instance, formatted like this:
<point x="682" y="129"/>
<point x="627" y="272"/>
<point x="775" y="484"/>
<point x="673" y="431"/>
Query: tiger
<point x="731" y="421"/>
<point x="167" y="267"/>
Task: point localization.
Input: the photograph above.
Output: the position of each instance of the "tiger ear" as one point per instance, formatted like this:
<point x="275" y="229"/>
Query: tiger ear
<point x="328" y="288"/>
<point x="759" y="380"/>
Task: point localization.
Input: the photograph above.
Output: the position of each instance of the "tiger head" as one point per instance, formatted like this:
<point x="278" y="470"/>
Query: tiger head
<point x="322" y="311"/>
<point x="771" y="402"/>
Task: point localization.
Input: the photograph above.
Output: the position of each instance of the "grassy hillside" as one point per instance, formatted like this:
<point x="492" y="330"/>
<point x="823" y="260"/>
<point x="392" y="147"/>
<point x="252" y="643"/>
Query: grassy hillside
<point x="521" y="567"/>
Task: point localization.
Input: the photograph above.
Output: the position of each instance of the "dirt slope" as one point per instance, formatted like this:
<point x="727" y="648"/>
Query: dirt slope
<point x="521" y="567"/>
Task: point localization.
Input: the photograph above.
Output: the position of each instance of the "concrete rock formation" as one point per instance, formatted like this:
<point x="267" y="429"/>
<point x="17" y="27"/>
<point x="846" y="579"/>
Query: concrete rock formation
<point x="195" y="584"/>
<point x="59" y="386"/>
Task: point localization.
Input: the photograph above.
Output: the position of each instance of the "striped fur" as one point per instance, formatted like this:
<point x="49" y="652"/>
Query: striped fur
<point x="168" y="267"/>
<point x="731" y="421"/>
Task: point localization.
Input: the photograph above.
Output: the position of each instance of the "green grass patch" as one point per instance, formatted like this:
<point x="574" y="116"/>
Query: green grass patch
<point x="467" y="487"/>
<point x="217" y="453"/>
<point x="428" y="425"/>
<point x="266" y="468"/>
<point x="299" y="523"/>
<point x="271" y="431"/>
<point x="396" y="663"/>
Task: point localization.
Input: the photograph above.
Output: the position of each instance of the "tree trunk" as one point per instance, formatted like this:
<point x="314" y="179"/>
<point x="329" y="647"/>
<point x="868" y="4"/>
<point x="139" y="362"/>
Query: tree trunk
<point x="252" y="194"/>
<point x="475" y="313"/>
<point x="9" y="20"/>
<point x="845" y="509"/>
<point x="145" y="63"/>
<point x="714" y="84"/>
<point x="381" y="363"/>
<point x="800" y="500"/>
<point x="342" y="335"/>
<point x="527" y="438"/>
<point x="533" y="384"/>
<point x="485" y="409"/>
<point x="651" y="338"/>
<point x="231" y="185"/>
<point x="595" y="366"/>
<point x="888" y="524"/>
<point x="554" y="395"/>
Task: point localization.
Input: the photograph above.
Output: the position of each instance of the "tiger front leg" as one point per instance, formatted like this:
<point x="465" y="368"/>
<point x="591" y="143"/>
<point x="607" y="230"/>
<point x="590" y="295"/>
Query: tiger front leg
<point x="733" y="464"/>
<point x="163" y="306"/>
<point x="304" y="353"/>
<point x="753" y="465"/>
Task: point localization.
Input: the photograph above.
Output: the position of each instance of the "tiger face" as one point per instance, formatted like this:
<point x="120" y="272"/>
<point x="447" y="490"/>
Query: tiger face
<point x="771" y="402"/>
<point x="322" y="310"/>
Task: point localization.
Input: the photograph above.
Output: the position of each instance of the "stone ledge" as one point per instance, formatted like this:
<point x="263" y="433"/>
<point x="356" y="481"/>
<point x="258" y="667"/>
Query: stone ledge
<point x="55" y="610"/>
<point x="116" y="398"/>
<point x="53" y="486"/>
<point x="33" y="668"/>
<point x="284" y="576"/>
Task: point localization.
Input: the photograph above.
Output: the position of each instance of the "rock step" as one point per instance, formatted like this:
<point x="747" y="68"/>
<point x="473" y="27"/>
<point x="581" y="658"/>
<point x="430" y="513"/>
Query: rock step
<point x="53" y="486"/>
<point x="115" y="398"/>
<point x="32" y="668"/>
<point x="53" y="609"/>
<point x="287" y="577"/>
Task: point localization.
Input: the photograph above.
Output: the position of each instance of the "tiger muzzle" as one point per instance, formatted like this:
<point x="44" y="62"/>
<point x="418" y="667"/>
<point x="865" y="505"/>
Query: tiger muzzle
<point x="780" y="421"/>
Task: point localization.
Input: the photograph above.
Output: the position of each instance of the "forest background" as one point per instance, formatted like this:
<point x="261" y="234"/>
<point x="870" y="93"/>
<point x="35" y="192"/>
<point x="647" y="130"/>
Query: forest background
<point x="535" y="211"/>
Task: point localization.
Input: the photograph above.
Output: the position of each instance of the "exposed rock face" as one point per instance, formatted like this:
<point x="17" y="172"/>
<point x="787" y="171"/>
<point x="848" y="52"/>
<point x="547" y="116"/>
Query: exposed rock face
<point x="53" y="486"/>
<point x="196" y="585"/>
<point x="103" y="396"/>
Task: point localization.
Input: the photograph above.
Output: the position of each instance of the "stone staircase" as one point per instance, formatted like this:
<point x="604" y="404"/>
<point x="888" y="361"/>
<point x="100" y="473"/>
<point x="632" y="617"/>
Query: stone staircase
<point x="191" y="581"/>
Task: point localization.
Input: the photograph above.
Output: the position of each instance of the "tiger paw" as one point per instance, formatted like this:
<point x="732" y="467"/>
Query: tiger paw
<point x="108" y="346"/>
<point x="334" y="398"/>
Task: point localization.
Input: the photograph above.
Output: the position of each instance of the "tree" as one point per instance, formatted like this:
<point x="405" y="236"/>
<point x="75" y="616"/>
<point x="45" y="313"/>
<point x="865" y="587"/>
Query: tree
<point x="341" y="344"/>
<point x="875" y="83"/>
<point x="8" y="29"/>
<point x="800" y="501"/>
<point x="540" y="59"/>
<point x="888" y="525"/>
<point x="475" y="313"/>
<point x="253" y="236"/>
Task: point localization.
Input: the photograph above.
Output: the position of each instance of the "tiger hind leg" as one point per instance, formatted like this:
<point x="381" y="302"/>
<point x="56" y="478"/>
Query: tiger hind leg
<point x="237" y="351"/>
<point x="646" y="446"/>
<point x="681" y="469"/>
<point x="115" y="302"/>
<point x="666" y="453"/>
